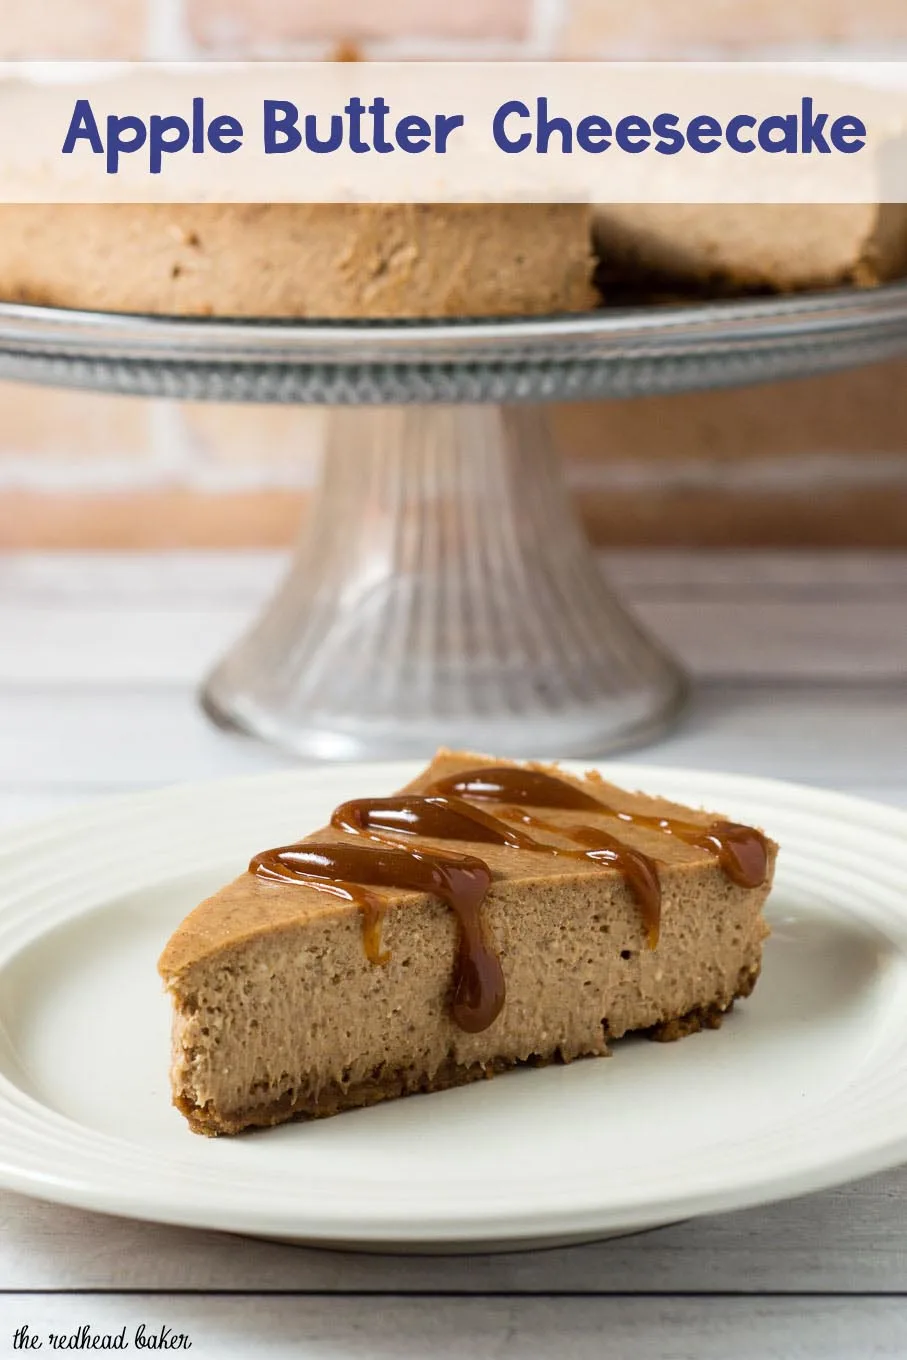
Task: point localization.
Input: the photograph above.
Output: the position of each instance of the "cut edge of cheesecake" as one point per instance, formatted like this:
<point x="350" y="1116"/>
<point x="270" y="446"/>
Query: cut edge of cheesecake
<point x="279" y="1015"/>
<point x="336" y="1098"/>
<point x="732" y="249"/>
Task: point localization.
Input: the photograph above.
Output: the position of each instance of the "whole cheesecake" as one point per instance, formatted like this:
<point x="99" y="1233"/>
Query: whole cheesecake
<point x="386" y="261"/>
<point x="489" y="915"/>
<point x="334" y="261"/>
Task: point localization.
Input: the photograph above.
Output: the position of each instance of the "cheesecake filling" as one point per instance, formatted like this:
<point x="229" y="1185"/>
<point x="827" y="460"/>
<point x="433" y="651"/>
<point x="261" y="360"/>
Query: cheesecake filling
<point x="370" y="856"/>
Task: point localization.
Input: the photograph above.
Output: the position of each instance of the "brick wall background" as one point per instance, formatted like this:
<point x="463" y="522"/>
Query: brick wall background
<point x="470" y="28"/>
<point x="823" y="461"/>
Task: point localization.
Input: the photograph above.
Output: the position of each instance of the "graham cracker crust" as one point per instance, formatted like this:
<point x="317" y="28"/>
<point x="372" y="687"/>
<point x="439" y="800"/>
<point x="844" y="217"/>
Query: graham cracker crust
<point x="335" y="1099"/>
<point x="703" y="1017"/>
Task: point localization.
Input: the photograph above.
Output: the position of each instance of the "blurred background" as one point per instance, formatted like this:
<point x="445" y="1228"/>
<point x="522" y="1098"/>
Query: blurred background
<point x="820" y="463"/>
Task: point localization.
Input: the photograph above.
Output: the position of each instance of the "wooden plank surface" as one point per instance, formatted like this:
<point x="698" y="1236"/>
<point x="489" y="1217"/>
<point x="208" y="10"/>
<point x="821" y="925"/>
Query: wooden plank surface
<point x="491" y="1329"/>
<point x="847" y="1241"/>
<point x="393" y="1328"/>
<point x="164" y="619"/>
<point x="125" y="737"/>
<point x="801" y="663"/>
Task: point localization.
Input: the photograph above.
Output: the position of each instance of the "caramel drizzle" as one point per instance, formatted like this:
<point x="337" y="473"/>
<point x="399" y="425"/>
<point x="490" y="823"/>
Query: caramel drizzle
<point x="740" y="850"/>
<point x="435" y="816"/>
<point x="287" y="863"/>
<point x="461" y="882"/>
<point x="449" y="817"/>
<point x="347" y="870"/>
<point x="640" y="872"/>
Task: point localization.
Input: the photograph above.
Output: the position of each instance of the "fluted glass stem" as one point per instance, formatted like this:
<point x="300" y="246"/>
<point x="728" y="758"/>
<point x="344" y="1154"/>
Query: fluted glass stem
<point x="443" y="593"/>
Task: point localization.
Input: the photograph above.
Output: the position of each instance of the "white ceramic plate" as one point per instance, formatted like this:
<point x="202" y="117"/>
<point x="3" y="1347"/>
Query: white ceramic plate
<point x="804" y="1086"/>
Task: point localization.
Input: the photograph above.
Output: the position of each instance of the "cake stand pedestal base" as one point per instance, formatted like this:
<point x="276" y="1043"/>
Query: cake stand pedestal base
<point x="444" y="593"/>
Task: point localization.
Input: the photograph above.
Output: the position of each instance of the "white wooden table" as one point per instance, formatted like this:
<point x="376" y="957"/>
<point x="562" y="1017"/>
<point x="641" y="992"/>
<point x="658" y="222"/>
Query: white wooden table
<point x="801" y="663"/>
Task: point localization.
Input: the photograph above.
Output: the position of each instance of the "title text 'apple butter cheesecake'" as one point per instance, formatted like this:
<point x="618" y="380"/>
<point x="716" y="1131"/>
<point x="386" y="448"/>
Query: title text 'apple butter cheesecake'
<point x="490" y="914"/>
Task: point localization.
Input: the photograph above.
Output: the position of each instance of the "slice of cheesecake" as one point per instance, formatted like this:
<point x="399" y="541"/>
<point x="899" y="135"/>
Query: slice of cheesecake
<point x="720" y="249"/>
<point x="491" y="914"/>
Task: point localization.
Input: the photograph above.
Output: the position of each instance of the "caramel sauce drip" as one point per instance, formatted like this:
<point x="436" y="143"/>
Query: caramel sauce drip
<point x="347" y="869"/>
<point x="460" y="881"/>
<point x="279" y="864"/>
<point x="639" y="871"/>
<point x="510" y="784"/>
<point x="741" y="851"/>
<point x="432" y="816"/>
<point x="448" y="817"/>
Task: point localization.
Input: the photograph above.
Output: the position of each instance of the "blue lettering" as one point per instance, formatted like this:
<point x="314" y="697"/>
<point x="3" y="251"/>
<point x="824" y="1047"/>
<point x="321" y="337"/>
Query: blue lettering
<point x="734" y="128"/>
<point x="413" y="134"/>
<point x="671" y="139"/>
<point x="225" y="134"/>
<point x="354" y="111"/>
<point x="198" y="127"/>
<point x="848" y="135"/>
<point x="812" y="130"/>
<point x="445" y="124"/>
<point x="632" y="134"/>
<point x="379" y="109"/>
<point x="333" y="140"/>
<point x="512" y="145"/>
<point x="704" y="134"/>
<point x="593" y="134"/>
<point x="547" y="125"/>
<point x="280" y="131"/>
<point x="786" y="124"/>
<point x="117" y="146"/>
<point x="159" y="144"/>
<point x="83" y="125"/>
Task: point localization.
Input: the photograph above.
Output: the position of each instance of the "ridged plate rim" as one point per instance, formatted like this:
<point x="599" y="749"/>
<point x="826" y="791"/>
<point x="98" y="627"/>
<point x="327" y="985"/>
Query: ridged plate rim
<point x="50" y="331"/>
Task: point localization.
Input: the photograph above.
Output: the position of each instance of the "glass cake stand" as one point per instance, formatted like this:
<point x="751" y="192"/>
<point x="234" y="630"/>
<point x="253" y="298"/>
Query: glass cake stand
<point x="443" y="591"/>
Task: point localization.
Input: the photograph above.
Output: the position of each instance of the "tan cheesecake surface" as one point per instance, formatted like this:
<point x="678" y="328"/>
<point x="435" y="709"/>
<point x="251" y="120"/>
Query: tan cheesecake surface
<point x="290" y="1001"/>
<point x="386" y="261"/>
<point x="300" y="260"/>
<point x="729" y="248"/>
